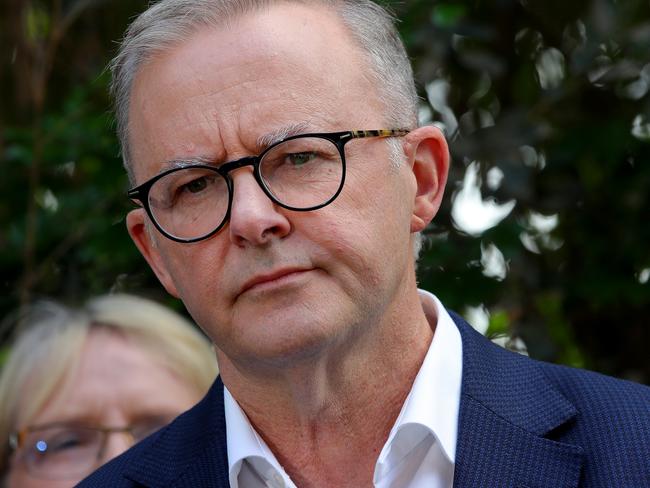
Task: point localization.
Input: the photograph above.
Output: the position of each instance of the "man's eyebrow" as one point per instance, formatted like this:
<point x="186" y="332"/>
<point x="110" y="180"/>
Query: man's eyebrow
<point x="262" y="143"/>
<point x="184" y="162"/>
<point x="282" y="133"/>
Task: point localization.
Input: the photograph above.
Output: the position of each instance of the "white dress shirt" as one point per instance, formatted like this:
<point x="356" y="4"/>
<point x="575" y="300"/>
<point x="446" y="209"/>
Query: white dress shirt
<point x="421" y="447"/>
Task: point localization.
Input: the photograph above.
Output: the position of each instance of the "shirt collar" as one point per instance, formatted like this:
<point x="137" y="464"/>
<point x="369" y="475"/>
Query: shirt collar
<point x="244" y="444"/>
<point x="431" y="406"/>
<point x="434" y="400"/>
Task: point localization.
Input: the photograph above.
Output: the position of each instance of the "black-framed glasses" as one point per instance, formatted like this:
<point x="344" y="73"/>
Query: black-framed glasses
<point x="64" y="450"/>
<point x="302" y="172"/>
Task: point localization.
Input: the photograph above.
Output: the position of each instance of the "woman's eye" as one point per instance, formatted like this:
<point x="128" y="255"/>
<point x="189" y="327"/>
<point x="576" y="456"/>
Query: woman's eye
<point x="60" y="443"/>
<point x="66" y="444"/>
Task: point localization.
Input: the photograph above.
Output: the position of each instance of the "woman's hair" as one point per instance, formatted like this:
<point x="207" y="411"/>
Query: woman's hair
<point x="50" y="338"/>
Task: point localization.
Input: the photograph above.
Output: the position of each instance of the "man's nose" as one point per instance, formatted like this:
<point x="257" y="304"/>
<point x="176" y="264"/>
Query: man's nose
<point x="254" y="218"/>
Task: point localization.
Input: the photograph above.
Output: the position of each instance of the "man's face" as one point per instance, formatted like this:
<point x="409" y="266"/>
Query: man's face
<point x="275" y="284"/>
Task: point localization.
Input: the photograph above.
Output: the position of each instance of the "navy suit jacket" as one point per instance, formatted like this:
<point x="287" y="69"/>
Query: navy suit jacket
<point x="522" y="424"/>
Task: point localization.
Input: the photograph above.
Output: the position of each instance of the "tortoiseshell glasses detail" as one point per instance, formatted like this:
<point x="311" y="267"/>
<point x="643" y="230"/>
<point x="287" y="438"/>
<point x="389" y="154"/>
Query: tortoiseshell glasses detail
<point x="302" y="172"/>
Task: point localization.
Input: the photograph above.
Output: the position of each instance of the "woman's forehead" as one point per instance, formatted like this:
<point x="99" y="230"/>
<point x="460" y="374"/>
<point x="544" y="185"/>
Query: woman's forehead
<point x="114" y="376"/>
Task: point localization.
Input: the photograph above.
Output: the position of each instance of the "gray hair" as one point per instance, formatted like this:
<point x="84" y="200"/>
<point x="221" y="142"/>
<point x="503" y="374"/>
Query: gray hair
<point x="170" y="22"/>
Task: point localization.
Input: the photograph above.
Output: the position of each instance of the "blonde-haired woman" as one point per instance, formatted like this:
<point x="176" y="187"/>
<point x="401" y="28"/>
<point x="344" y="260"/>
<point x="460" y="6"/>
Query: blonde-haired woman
<point x="82" y="385"/>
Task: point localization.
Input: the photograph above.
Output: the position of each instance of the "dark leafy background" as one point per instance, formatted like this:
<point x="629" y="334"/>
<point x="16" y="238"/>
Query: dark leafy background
<point x="545" y="103"/>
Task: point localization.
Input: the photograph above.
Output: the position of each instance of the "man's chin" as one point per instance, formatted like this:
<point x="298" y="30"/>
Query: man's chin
<point x="284" y="344"/>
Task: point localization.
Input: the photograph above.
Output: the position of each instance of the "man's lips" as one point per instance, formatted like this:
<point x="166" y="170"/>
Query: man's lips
<point x="270" y="277"/>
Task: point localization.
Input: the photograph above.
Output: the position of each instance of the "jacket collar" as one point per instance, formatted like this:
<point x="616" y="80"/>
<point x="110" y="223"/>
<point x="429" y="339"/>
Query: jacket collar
<point x="169" y="460"/>
<point x="509" y="413"/>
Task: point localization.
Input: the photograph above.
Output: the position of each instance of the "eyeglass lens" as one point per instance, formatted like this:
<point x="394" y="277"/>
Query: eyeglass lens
<point x="68" y="451"/>
<point x="58" y="451"/>
<point x="299" y="174"/>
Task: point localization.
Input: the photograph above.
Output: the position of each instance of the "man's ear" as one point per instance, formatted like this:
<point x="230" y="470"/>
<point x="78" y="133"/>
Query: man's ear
<point x="143" y="240"/>
<point x="428" y="154"/>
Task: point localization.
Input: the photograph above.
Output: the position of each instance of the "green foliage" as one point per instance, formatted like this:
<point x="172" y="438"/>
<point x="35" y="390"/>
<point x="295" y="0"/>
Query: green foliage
<point x="556" y="96"/>
<point x="499" y="323"/>
<point x="4" y="355"/>
<point x="37" y="23"/>
<point x="447" y="15"/>
<point x="81" y="241"/>
<point x="549" y="306"/>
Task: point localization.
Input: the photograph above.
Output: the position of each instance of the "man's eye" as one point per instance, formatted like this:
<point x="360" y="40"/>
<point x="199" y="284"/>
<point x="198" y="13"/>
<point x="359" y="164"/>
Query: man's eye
<point x="302" y="158"/>
<point x="195" y="186"/>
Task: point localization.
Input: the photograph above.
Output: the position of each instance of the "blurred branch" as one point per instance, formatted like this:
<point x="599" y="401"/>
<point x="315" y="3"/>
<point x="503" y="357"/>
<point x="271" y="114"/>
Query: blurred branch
<point x="42" y="54"/>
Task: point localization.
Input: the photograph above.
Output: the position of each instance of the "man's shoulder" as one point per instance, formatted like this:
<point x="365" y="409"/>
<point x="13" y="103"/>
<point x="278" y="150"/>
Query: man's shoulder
<point x="546" y="421"/>
<point x="612" y="424"/>
<point x="189" y="452"/>
<point x="522" y="389"/>
<point x="586" y="390"/>
<point x="604" y="400"/>
<point x="605" y="391"/>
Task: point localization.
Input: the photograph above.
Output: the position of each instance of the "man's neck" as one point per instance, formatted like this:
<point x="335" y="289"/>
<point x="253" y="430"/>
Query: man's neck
<point x="326" y="420"/>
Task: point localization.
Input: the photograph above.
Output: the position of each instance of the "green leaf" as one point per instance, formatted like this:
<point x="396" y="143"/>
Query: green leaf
<point x="447" y="14"/>
<point x="37" y="23"/>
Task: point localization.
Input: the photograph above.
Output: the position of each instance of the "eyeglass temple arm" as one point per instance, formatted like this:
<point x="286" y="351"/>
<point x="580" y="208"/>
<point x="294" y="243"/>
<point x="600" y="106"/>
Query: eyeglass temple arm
<point x="15" y="440"/>
<point x="357" y="134"/>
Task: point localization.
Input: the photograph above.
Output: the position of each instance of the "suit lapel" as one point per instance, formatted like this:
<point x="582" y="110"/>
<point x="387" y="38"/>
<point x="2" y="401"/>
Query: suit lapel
<point x="170" y="461"/>
<point x="508" y="415"/>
